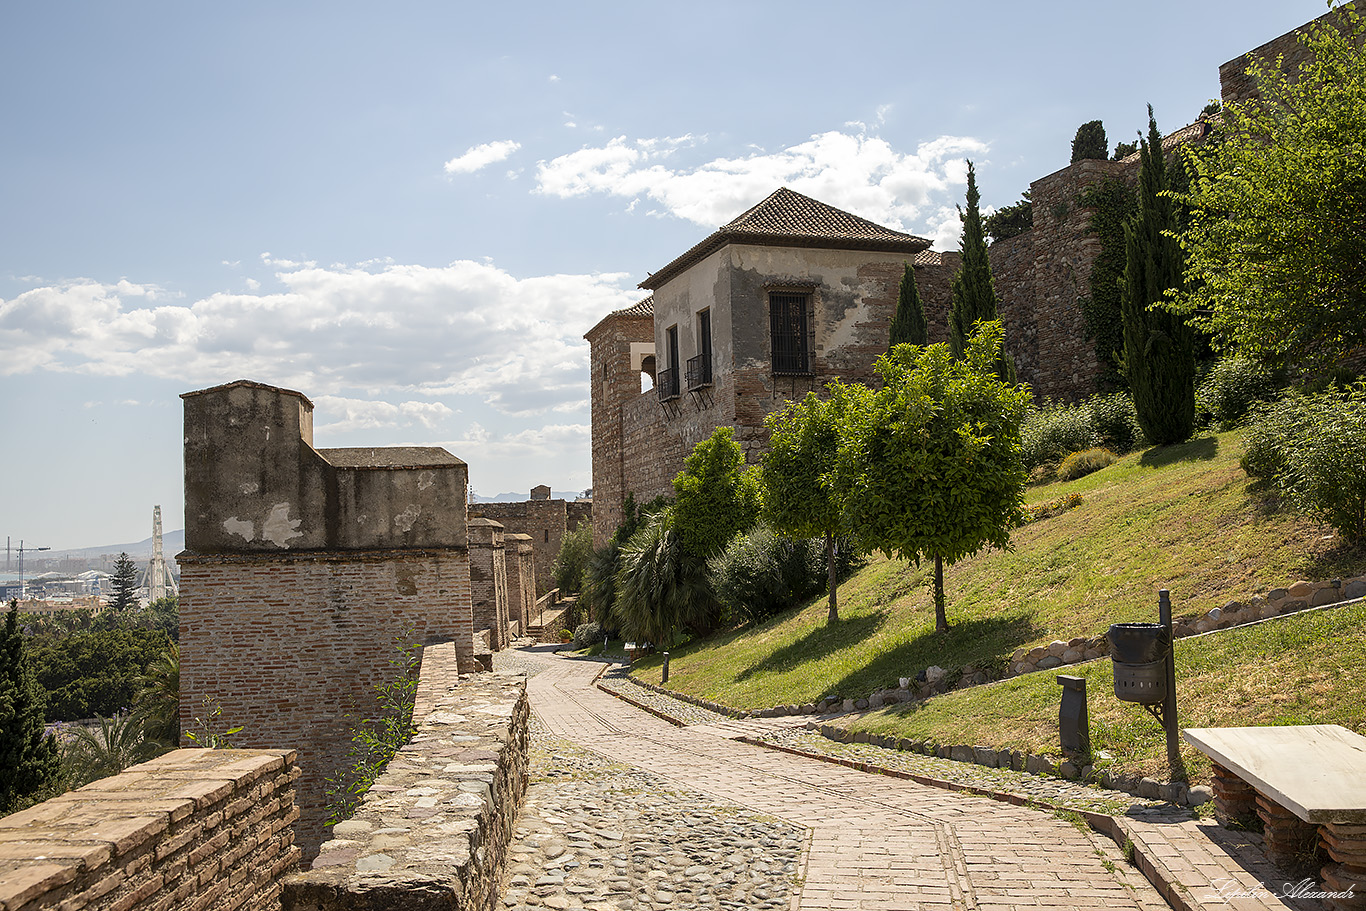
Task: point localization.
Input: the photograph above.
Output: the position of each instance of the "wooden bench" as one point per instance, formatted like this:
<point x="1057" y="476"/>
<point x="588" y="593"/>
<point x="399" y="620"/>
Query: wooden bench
<point x="1307" y="783"/>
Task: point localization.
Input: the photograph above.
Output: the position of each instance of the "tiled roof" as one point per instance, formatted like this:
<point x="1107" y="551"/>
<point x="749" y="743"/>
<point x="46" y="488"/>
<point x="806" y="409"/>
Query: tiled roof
<point x="391" y="457"/>
<point x="645" y="308"/>
<point x="789" y="219"/>
<point x="926" y="258"/>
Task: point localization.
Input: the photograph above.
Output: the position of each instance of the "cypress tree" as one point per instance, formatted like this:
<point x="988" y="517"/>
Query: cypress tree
<point x="1159" y="348"/>
<point x="974" y="295"/>
<point x="1090" y="142"/>
<point x="908" y="324"/>
<point x="29" y="762"/>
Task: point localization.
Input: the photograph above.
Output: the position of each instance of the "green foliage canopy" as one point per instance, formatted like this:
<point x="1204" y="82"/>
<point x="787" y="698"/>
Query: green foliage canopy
<point x="1159" y="348"/>
<point x="94" y="673"/>
<point x="974" y="296"/>
<point x="29" y="760"/>
<point x="1010" y="221"/>
<point x="1090" y="142"/>
<point x="716" y="495"/>
<point x="1277" y="240"/>
<point x="576" y="548"/>
<point x="908" y="323"/>
<point x="935" y="467"/>
<point x="125" y="584"/>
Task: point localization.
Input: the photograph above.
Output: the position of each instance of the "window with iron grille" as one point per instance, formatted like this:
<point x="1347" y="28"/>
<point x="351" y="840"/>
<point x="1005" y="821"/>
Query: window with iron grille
<point x="699" y="367"/>
<point x="667" y="380"/>
<point x="787" y="322"/>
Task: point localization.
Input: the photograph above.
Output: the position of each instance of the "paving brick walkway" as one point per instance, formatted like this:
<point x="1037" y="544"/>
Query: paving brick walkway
<point x="875" y="842"/>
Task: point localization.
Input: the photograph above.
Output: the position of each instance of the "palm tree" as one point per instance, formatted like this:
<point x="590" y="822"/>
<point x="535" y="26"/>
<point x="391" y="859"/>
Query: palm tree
<point x="157" y="703"/>
<point x="117" y="744"/>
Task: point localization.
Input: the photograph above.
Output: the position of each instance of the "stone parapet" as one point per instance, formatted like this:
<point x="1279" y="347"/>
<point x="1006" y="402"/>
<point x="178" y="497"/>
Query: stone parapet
<point x="433" y="832"/>
<point x="190" y="831"/>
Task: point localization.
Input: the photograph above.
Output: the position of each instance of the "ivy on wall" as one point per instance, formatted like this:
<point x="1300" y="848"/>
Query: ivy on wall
<point x="1112" y="201"/>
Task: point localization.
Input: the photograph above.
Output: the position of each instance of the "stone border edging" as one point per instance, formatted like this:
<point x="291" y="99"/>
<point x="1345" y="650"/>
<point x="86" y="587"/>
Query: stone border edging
<point x="707" y="704"/>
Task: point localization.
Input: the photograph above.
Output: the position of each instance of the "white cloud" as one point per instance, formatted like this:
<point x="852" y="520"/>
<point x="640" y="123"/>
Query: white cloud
<point x="412" y="335"/>
<point x="855" y="171"/>
<point x="481" y="156"/>
<point x="341" y="415"/>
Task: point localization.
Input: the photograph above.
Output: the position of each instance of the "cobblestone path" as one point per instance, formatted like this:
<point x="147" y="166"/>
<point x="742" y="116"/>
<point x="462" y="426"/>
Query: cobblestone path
<point x="702" y="807"/>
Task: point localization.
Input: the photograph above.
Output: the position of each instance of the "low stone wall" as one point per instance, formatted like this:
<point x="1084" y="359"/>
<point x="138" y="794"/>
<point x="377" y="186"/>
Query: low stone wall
<point x="194" y="830"/>
<point x="433" y="831"/>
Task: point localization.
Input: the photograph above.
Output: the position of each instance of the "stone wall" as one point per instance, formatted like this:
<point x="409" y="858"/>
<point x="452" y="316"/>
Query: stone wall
<point x="544" y="521"/>
<point x="488" y="580"/>
<point x="1234" y="83"/>
<point x="520" y="556"/>
<point x="302" y="567"/>
<point x="288" y="645"/>
<point x="194" y="830"/>
<point x="434" y="830"/>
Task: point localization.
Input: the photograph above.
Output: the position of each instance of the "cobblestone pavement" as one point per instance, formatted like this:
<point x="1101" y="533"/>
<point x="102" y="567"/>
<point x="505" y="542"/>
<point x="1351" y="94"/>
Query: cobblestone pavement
<point x="872" y="842"/>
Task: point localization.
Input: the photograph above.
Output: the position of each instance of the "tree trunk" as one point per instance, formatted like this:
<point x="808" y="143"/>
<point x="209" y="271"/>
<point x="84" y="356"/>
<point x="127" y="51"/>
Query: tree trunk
<point x="941" y="620"/>
<point x="830" y="573"/>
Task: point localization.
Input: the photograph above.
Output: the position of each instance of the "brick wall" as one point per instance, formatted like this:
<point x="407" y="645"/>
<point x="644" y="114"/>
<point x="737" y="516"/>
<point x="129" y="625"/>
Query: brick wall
<point x="613" y="382"/>
<point x="449" y="852"/>
<point x="521" y="575"/>
<point x="194" y="830"/>
<point x="545" y="522"/>
<point x="488" y="580"/>
<point x="289" y="644"/>
<point x="1234" y="83"/>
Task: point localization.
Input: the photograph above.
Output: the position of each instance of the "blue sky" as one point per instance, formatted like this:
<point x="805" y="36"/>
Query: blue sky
<point x="412" y="212"/>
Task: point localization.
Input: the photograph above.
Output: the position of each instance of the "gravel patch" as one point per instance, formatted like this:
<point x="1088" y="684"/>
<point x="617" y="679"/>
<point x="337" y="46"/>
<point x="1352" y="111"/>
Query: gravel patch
<point x="598" y="834"/>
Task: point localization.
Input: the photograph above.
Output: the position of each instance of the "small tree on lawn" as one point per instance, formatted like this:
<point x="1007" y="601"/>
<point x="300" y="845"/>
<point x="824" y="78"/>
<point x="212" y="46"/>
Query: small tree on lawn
<point x="716" y="496"/>
<point x="124" y="583"/>
<point x="1159" y="348"/>
<point x="29" y="762"/>
<point x="908" y="324"/>
<point x="800" y="471"/>
<point x="934" y="462"/>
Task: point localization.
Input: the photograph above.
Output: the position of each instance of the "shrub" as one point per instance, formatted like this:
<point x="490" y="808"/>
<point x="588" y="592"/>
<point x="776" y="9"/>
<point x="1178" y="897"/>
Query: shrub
<point x="1312" y="450"/>
<point x="1036" y="511"/>
<point x="1080" y="464"/>
<point x="1116" y="422"/>
<point x="764" y="573"/>
<point x="570" y="563"/>
<point x="1230" y="389"/>
<point x="586" y="634"/>
<point x="661" y="587"/>
<point x="1054" y="429"/>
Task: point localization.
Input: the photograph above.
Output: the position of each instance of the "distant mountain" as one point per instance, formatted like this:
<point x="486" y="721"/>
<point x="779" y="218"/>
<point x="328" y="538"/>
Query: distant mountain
<point x="516" y="497"/>
<point x="172" y="543"/>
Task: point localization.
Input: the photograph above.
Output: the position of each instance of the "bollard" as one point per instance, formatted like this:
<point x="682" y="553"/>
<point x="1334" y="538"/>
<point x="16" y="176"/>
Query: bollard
<point x="666" y="668"/>
<point x="1072" y="718"/>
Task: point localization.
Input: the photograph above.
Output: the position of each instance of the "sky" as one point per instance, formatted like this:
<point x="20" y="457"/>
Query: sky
<point x="412" y="212"/>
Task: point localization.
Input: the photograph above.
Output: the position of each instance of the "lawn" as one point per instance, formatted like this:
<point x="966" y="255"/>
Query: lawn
<point x="1179" y="517"/>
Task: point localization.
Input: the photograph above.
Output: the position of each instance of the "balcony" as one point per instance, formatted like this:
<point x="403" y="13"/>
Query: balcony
<point x="699" y="372"/>
<point x="666" y="384"/>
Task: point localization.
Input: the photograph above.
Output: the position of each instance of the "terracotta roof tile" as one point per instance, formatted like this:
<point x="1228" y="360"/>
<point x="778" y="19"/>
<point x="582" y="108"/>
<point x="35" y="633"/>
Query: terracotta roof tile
<point x="788" y="219"/>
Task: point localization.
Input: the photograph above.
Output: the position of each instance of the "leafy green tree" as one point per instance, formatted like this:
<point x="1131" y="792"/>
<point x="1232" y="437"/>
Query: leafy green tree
<point x="1124" y="150"/>
<point x="802" y="489"/>
<point x="1090" y="142"/>
<point x="1010" y="221"/>
<point x="935" y="468"/>
<point x="30" y="765"/>
<point x="124" y="583"/>
<point x="1277" y="238"/>
<point x="974" y="294"/>
<point x="908" y="323"/>
<point x="94" y="673"/>
<point x="1159" y="348"/>
<point x="715" y="495"/>
<point x="570" y="563"/>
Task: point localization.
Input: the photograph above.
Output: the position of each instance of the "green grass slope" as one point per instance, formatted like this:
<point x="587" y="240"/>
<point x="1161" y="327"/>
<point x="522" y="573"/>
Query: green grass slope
<point x="1180" y="517"/>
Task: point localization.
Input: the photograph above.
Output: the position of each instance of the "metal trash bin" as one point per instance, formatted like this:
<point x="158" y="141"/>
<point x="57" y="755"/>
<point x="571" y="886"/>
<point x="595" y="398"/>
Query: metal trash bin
<point x="1139" y="652"/>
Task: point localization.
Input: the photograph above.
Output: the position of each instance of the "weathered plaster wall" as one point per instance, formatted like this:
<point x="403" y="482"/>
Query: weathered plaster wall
<point x="302" y="567"/>
<point x="194" y="830"/>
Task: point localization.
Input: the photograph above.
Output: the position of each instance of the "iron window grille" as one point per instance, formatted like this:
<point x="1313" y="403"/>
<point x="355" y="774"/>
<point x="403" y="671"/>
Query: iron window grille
<point x="787" y="322"/>
<point x="666" y="382"/>
<point x="699" y="371"/>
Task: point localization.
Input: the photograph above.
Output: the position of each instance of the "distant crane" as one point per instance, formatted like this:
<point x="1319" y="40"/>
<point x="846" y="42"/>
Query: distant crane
<point x="159" y="581"/>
